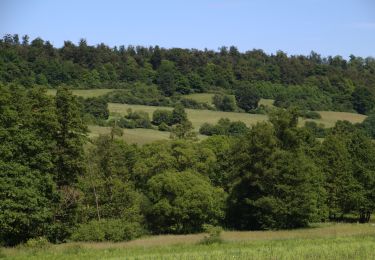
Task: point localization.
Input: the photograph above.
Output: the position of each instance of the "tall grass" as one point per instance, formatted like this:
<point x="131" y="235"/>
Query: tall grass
<point x="343" y="241"/>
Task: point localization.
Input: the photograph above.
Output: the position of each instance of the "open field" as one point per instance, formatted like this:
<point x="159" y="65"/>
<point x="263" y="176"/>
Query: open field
<point x="207" y="98"/>
<point x="201" y="97"/>
<point x="132" y="136"/>
<point x="330" y="241"/>
<point x="86" y="93"/>
<point x="135" y="136"/>
<point x="196" y="116"/>
<point x="329" y="118"/>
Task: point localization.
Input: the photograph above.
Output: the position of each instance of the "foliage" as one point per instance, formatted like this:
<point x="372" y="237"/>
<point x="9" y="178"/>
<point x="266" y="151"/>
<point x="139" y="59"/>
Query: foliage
<point x="275" y="182"/>
<point x="369" y="125"/>
<point x="303" y="97"/>
<point x="162" y="116"/>
<point x="224" y="102"/>
<point x="38" y="243"/>
<point x="213" y="235"/>
<point x="317" y="129"/>
<point x="182" y="202"/>
<point x="224" y="127"/>
<point x="97" y="107"/>
<point x="310" y="114"/>
<point x="115" y="230"/>
<point x="178" y="115"/>
<point x="363" y="100"/>
<point x="247" y="97"/>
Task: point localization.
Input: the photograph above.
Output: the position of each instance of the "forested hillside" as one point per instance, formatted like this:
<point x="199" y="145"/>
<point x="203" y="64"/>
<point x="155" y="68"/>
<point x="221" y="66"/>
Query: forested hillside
<point x="312" y="82"/>
<point x="57" y="183"/>
<point x="256" y="168"/>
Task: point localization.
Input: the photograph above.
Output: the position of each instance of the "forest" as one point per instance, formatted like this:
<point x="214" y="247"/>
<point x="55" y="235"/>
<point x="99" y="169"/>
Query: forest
<point x="59" y="183"/>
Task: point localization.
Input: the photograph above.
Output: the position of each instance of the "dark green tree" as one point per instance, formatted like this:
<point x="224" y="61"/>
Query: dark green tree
<point x="247" y="97"/>
<point x="181" y="202"/>
<point x="363" y="100"/>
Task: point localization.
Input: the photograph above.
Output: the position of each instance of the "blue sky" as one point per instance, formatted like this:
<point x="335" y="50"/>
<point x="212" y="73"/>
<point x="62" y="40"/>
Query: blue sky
<point x="329" y="27"/>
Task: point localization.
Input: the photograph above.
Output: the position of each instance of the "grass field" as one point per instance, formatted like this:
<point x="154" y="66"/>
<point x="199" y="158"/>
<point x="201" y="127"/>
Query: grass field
<point x="329" y="241"/>
<point x="86" y="93"/>
<point x="132" y="136"/>
<point x="207" y="98"/>
<point x="196" y="116"/>
<point x="135" y="136"/>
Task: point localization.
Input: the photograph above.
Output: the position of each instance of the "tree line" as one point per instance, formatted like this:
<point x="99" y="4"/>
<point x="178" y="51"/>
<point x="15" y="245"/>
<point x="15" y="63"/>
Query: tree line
<point x="57" y="183"/>
<point x="311" y="82"/>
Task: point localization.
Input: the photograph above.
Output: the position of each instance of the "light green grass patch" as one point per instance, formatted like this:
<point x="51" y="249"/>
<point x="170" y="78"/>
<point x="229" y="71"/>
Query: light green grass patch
<point x="329" y="241"/>
<point x="201" y="97"/>
<point x="132" y="136"/>
<point x="196" y="116"/>
<point x="86" y="93"/>
<point x="329" y="118"/>
<point x="135" y="136"/>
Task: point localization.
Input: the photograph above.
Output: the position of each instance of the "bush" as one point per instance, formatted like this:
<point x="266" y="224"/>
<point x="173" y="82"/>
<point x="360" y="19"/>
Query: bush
<point x="162" y="116"/>
<point x="310" y="114"/>
<point x="108" y="230"/>
<point x="318" y="130"/>
<point x="126" y="123"/>
<point x="181" y="202"/>
<point x="97" y="107"/>
<point x="163" y="127"/>
<point x="224" y="102"/>
<point x="224" y="127"/>
<point x="38" y="243"/>
<point x="247" y="97"/>
<point x="213" y="236"/>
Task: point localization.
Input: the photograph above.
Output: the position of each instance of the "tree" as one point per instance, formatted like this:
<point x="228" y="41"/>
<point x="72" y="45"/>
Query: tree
<point x="181" y="202"/>
<point x="224" y="102"/>
<point x="179" y="115"/>
<point x="162" y="116"/>
<point x="167" y="77"/>
<point x="273" y="185"/>
<point x="97" y="107"/>
<point x="183" y="130"/>
<point x="27" y="189"/>
<point x="70" y="138"/>
<point x="69" y="162"/>
<point x="247" y="97"/>
<point x="369" y="125"/>
<point x="363" y="100"/>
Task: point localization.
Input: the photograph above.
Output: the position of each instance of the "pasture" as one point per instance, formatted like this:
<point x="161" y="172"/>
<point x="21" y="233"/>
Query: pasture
<point x="85" y="93"/>
<point x="324" y="241"/>
<point x="200" y="116"/>
<point x="196" y="116"/>
<point x="135" y="136"/>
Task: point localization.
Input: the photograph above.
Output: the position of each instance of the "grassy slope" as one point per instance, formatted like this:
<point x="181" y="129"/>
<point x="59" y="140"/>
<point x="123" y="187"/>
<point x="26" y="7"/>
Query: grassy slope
<point x="340" y="241"/>
<point x="198" y="117"/>
<point x="86" y="93"/>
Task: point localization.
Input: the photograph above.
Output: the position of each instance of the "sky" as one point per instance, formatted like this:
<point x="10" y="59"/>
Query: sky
<point x="329" y="27"/>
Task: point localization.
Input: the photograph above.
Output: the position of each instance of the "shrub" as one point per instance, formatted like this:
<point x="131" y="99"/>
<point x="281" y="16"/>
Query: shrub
<point x="224" y="127"/>
<point x="247" y="97"/>
<point x="181" y="202"/>
<point x="162" y="116"/>
<point x="213" y="235"/>
<point x="38" y="243"/>
<point x="191" y="103"/>
<point x="310" y="114"/>
<point x="108" y="230"/>
<point x="224" y="102"/>
<point x="317" y="130"/>
<point x="163" y="127"/>
<point x="126" y="123"/>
